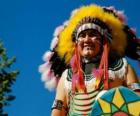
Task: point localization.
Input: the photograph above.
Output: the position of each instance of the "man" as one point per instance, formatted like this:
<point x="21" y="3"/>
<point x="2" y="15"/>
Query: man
<point x="91" y="48"/>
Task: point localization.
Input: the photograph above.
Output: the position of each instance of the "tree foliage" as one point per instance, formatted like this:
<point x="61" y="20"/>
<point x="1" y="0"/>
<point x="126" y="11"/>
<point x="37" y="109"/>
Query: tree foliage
<point x="7" y="78"/>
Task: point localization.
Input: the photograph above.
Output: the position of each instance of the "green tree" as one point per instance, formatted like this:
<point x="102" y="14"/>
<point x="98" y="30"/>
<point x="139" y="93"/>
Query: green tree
<point x="7" y="78"/>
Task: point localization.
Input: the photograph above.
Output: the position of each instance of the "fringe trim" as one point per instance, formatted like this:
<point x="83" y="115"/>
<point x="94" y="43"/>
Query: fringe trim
<point x="112" y="75"/>
<point x="119" y="73"/>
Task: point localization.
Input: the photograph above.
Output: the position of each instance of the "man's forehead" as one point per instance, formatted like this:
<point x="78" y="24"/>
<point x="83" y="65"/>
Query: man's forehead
<point x="90" y="31"/>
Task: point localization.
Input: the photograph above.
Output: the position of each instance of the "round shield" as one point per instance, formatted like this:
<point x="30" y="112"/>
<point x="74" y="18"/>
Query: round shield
<point x="119" y="101"/>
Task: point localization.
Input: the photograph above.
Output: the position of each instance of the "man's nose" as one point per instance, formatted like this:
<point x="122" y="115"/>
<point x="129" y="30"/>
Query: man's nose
<point x="87" y="37"/>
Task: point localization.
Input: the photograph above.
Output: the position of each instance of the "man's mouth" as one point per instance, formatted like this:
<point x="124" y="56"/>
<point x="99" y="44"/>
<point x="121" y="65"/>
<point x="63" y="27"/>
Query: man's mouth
<point x="88" y="46"/>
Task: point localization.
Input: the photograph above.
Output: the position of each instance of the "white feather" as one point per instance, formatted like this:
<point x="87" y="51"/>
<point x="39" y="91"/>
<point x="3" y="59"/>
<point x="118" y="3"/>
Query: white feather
<point x="46" y="76"/>
<point x="51" y="85"/>
<point x="54" y="43"/>
<point x="42" y="67"/>
<point x="47" y="56"/>
<point x="58" y="30"/>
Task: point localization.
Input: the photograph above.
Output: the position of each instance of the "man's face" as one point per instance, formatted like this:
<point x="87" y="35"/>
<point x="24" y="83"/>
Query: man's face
<point x="89" y="43"/>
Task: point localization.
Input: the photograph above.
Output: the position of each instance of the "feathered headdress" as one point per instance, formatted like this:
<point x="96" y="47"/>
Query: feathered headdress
<point x="63" y="47"/>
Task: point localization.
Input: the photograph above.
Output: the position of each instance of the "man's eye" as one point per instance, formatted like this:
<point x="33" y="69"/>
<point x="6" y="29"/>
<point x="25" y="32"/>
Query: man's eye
<point x="82" y="35"/>
<point x="91" y="34"/>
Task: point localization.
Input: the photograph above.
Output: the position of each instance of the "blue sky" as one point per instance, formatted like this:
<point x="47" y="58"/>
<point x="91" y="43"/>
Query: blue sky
<point x="26" y="28"/>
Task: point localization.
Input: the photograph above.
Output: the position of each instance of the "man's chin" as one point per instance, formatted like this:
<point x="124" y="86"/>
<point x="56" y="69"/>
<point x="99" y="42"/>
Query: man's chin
<point x="88" y="55"/>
